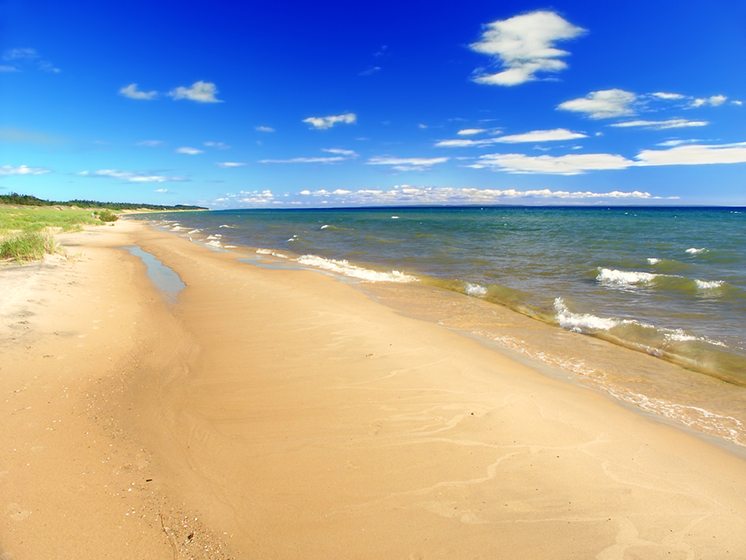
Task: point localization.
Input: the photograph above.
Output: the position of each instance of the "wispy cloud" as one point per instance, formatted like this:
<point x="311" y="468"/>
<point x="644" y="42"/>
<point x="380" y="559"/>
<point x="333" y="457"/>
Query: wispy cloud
<point x="263" y="128"/>
<point x="132" y="92"/>
<point x="151" y="143"/>
<point x="22" y="170"/>
<point x="471" y="131"/>
<point x="216" y="145"/>
<point x="695" y="154"/>
<point x="130" y="176"/>
<point x="525" y="46"/>
<point x="576" y="164"/>
<point x="667" y="95"/>
<point x="189" y="151"/>
<point x="660" y="125"/>
<point x="712" y="101"/>
<point x="229" y="164"/>
<point x="21" y="58"/>
<point x="199" y="91"/>
<point x="602" y="104"/>
<point x="311" y="159"/>
<point x="570" y="164"/>
<point x="370" y="71"/>
<point x="323" y="123"/>
<point x="407" y="164"/>
<point x="553" y="135"/>
<point x="409" y="194"/>
<point x="340" y="152"/>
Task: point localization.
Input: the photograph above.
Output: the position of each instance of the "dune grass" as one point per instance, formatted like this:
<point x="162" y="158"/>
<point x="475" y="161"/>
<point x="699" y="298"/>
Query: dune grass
<point x="26" y="232"/>
<point x="27" y="246"/>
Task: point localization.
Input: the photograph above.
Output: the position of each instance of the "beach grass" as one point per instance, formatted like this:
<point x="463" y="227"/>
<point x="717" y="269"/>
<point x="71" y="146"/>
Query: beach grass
<point x="15" y="219"/>
<point x="27" y="246"/>
<point x="26" y="232"/>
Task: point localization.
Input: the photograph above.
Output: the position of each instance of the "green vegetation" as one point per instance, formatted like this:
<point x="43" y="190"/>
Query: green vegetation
<point x="28" y="200"/>
<point x="106" y="216"/>
<point x="35" y="218"/>
<point x="27" y="246"/>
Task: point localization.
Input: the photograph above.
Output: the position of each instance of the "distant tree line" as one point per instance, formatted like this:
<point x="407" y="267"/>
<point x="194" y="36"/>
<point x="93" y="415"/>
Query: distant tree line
<point x="29" y="200"/>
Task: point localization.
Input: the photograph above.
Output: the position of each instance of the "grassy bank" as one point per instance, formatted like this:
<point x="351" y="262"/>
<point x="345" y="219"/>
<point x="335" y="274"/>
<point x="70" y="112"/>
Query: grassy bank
<point x="26" y="232"/>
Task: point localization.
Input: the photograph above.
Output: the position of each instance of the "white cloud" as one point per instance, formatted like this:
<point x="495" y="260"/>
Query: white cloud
<point x="737" y="102"/>
<point x="712" y="101"/>
<point x="312" y="159"/>
<point x="525" y="46"/>
<point x="22" y="170"/>
<point x="672" y="143"/>
<point x="199" y="91"/>
<point x="340" y="152"/>
<point x="695" y="154"/>
<point x="471" y="131"/>
<point x="602" y="104"/>
<point x="230" y="164"/>
<point x="151" y="143"/>
<point x="667" y="96"/>
<point x="132" y="92"/>
<point x="570" y="164"/>
<point x="129" y="176"/>
<point x="660" y="125"/>
<point x="553" y="135"/>
<point x="322" y="123"/>
<point x="189" y="151"/>
<point x="575" y="164"/>
<point x="256" y="197"/>
<point x="216" y="145"/>
<point x="408" y="194"/>
<point x="8" y="68"/>
<point x="407" y="164"/>
<point x="263" y="128"/>
<point x="24" y="57"/>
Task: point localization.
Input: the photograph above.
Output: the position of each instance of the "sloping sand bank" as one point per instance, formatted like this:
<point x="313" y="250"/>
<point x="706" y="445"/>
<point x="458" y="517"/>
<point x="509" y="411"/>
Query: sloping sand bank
<point x="296" y="418"/>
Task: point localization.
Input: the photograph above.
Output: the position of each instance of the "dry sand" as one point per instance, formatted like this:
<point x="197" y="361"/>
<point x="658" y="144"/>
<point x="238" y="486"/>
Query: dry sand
<point x="284" y="414"/>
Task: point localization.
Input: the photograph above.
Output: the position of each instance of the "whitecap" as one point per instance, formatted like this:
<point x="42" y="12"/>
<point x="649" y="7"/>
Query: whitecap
<point x="214" y="236"/>
<point x="709" y="284"/>
<point x="653" y="260"/>
<point x="475" y="289"/>
<point x="214" y="243"/>
<point x="227" y="226"/>
<point x="394" y="217"/>
<point x="695" y="251"/>
<point x="194" y="231"/>
<point x="581" y="322"/>
<point x="614" y="277"/>
<point x="346" y="269"/>
<point x="324" y="226"/>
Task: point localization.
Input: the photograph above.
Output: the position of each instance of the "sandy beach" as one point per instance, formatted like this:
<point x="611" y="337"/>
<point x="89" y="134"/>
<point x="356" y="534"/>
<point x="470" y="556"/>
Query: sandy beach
<point x="274" y="413"/>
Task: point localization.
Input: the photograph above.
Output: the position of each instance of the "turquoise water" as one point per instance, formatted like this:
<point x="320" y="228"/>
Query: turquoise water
<point x="667" y="281"/>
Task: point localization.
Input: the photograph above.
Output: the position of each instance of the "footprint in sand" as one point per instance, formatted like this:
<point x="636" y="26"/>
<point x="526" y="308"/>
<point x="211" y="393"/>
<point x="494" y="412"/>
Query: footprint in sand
<point x="16" y="513"/>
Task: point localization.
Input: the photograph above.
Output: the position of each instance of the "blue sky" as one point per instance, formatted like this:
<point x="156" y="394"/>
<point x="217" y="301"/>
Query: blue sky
<point x="272" y="104"/>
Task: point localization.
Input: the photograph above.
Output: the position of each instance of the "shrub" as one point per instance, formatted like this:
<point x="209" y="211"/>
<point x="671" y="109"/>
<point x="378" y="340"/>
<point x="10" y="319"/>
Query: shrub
<point x="107" y="216"/>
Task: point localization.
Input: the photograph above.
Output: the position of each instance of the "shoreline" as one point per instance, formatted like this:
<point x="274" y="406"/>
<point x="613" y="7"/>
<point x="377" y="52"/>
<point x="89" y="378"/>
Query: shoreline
<point x="378" y="435"/>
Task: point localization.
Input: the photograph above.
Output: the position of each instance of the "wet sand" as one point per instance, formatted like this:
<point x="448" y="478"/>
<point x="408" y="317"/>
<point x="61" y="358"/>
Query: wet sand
<point x="285" y="414"/>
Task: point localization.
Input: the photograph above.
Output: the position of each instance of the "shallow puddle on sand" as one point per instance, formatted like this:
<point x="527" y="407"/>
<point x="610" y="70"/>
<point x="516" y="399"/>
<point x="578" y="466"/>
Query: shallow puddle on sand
<point x="164" y="278"/>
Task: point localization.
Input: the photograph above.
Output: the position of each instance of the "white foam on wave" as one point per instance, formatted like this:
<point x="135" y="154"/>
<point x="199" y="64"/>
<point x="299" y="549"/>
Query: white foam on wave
<point x="177" y="227"/>
<point x="581" y="322"/>
<point x="214" y="236"/>
<point x="324" y="226"/>
<point x="679" y="335"/>
<point x="213" y="243"/>
<point x="394" y="217"/>
<point x="193" y="231"/>
<point x="709" y="284"/>
<point x="653" y="260"/>
<point x="346" y="269"/>
<point x="271" y="253"/>
<point x="227" y="226"/>
<point x="695" y="251"/>
<point x="475" y="289"/>
<point x="293" y="238"/>
<point x="612" y="277"/>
